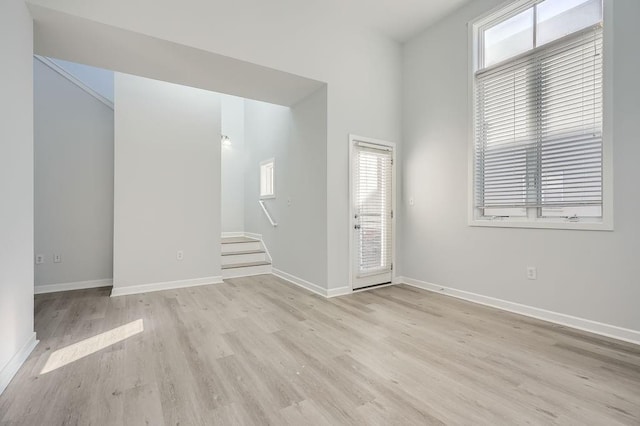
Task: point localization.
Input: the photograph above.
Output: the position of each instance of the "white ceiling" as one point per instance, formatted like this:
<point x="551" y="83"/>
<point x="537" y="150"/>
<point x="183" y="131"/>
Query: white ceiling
<point x="399" y="20"/>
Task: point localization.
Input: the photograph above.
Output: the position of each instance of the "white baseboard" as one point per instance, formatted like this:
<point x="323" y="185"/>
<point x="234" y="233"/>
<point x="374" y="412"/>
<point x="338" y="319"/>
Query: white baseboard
<point x="338" y="291"/>
<point x="620" y="333"/>
<point x="14" y="364"/>
<point x="398" y="280"/>
<point x="168" y="285"/>
<point x="253" y="235"/>
<point x="78" y="285"/>
<point x="314" y="288"/>
<point x="300" y="282"/>
<point x="241" y="234"/>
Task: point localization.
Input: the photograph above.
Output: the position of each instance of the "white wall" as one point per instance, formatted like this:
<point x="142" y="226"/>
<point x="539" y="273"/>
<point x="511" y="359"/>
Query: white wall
<point x="167" y="183"/>
<point x="362" y="69"/>
<point x="588" y="274"/>
<point x="233" y="164"/>
<point x="16" y="187"/>
<point x="295" y="137"/>
<point x="73" y="143"/>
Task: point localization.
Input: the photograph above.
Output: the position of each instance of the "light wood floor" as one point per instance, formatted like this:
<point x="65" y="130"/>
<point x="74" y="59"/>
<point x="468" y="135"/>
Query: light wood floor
<point x="261" y="351"/>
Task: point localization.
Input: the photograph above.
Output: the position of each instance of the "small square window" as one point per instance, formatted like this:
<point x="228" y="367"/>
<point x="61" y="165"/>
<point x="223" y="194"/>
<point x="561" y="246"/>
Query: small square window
<point x="267" y="181"/>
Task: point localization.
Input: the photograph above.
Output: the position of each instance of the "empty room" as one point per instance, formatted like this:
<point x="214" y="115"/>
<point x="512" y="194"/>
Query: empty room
<point x="319" y="212"/>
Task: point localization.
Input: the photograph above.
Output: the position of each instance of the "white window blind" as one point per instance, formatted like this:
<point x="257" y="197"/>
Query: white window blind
<point x="372" y="190"/>
<point x="539" y="127"/>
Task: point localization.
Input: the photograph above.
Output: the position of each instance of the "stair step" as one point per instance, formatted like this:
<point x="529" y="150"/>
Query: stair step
<point x="231" y="253"/>
<point x="246" y="271"/>
<point x="245" y="265"/>
<point x="235" y="240"/>
<point x="232" y="248"/>
<point x="237" y="257"/>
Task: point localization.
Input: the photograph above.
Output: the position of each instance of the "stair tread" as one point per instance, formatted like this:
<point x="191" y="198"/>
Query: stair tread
<point x="233" y="253"/>
<point x="247" y="264"/>
<point x="234" y="240"/>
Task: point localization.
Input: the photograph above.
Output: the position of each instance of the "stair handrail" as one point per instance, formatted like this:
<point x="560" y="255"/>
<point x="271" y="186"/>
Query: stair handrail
<point x="266" y="212"/>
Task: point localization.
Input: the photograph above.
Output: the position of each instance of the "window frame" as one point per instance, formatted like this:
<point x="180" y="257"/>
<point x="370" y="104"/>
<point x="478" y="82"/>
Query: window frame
<point x="532" y="220"/>
<point x="272" y="162"/>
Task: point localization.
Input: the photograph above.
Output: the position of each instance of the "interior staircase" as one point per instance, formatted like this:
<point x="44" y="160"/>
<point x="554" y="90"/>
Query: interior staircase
<point x="244" y="256"/>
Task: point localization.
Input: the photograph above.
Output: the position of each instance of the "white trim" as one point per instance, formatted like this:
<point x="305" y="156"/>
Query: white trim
<point x="314" y="288"/>
<point x="300" y="282"/>
<point x="607" y="330"/>
<point x="271" y="161"/>
<point x="77" y="285"/>
<point x="232" y="234"/>
<point x="338" y="291"/>
<point x="73" y="79"/>
<point x="523" y="222"/>
<point x="266" y="212"/>
<point x="607" y="115"/>
<point x="167" y="285"/>
<point x="11" y="368"/>
<point x="241" y="234"/>
<point x="266" y="249"/>
<point x="398" y="280"/>
<point x="353" y="139"/>
<point x="253" y="235"/>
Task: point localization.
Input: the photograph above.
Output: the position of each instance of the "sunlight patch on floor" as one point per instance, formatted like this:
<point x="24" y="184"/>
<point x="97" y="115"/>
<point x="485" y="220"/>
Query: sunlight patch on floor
<point x="91" y="345"/>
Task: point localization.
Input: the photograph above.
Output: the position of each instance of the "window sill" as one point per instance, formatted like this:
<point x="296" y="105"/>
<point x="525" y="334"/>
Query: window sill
<point x="542" y="224"/>
<point x="267" y="197"/>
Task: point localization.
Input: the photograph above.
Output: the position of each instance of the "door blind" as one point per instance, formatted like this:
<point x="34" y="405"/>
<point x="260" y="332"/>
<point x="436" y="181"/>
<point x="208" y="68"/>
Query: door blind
<point x="539" y="127"/>
<point x="372" y="188"/>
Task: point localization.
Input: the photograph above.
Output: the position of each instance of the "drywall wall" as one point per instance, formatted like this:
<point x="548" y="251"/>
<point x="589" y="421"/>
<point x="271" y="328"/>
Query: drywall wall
<point x="587" y="274"/>
<point x="60" y="35"/>
<point x="267" y="128"/>
<point x="73" y="143"/>
<point x="362" y="69"/>
<point x="16" y="188"/>
<point x="233" y="164"/>
<point x="295" y="138"/>
<point x="166" y="184"/>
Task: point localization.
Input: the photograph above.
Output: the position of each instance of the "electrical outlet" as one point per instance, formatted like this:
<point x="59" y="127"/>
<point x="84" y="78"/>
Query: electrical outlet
<point x="39" y="259"/>
<point x="411" y="201"/>
<point x="289" y="202"/>
<point x="57" y="258"/>
<point x="180" y="255"/>
<point x="532" y="273"/>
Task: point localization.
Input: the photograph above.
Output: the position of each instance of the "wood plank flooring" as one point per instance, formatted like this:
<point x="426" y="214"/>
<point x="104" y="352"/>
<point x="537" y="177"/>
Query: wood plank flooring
<point x="258" y="350"/>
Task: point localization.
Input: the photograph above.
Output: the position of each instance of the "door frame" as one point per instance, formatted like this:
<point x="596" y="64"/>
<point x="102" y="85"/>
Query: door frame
<point x="352" y="140"/>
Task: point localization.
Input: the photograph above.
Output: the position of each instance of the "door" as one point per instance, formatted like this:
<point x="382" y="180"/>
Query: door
<point x="371" y="212"/>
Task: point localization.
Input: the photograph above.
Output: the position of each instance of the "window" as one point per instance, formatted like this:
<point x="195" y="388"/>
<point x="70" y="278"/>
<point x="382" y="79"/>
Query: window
<point x="267" y="187"/>
<point x="538" y="115"/>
